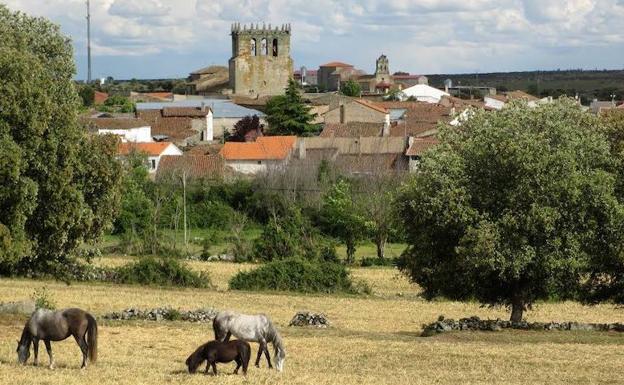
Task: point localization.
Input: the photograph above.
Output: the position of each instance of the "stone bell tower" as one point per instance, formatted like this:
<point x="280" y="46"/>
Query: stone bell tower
<point x="261" y="63"/>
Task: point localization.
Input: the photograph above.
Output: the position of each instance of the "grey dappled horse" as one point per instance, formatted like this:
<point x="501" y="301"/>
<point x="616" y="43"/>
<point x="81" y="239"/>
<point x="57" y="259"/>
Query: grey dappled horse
<point x="253" y="328"/>
<point x="49" y="325"/>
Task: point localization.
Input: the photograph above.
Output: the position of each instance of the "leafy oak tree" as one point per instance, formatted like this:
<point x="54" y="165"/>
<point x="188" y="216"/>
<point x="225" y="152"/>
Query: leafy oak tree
<point x="55" y="192"/>
<point x="288" y="115"/>
<point x="512" y="207"/>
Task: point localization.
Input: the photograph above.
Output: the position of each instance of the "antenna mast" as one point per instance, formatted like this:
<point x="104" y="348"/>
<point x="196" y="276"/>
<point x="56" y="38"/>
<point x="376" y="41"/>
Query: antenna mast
<point x="88" y="44"/>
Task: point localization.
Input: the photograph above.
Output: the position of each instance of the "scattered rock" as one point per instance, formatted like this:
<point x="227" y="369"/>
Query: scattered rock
<point x="306" y="318"/>
<point x="19" y="307"/>
<point x="474" y="323"/>
<point x="163" y="314"/>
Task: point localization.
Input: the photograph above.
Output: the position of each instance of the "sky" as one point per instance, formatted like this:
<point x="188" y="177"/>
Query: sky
<point x="170" y="38"/>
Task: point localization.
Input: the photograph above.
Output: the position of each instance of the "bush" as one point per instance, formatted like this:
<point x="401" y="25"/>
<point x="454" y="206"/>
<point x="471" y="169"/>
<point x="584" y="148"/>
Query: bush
<point x="43" y="299"/>
<point x="375" y="261"/>
<point x="296" y="274"/>
<point x="161" y="272"/>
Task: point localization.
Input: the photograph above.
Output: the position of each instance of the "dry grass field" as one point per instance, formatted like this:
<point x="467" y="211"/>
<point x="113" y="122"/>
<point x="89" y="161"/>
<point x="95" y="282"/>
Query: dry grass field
<point x="373" y="340"/>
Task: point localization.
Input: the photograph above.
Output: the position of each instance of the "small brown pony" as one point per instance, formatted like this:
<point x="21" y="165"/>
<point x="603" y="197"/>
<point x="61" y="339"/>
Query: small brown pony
<point x="48" y="325"/>
<point x="217" y="351"/>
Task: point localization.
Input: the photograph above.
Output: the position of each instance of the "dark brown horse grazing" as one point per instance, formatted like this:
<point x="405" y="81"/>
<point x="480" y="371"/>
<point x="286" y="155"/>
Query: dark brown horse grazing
<point x="217" y="351"/>
<point x="48" y="325"/>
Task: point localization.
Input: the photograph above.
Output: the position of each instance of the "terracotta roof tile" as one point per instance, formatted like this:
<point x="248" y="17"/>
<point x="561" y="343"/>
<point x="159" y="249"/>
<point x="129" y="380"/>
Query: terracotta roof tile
<point x="264" y="148"/>
<point x="419" y="118"/>
<point x="369" y="104"/>
<point x="176" y="128"/>
<point x="195" y="166"/>
<point x="419" y="145"/>
<point x="151" y="148"/>
<point x="116" y="123"/>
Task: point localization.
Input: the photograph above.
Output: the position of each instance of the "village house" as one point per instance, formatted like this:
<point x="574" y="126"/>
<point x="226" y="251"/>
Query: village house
<point x="358" y="110"/>
<point x="498" y="101"/>
<point x="127" y="129"/>
<point x="208" y="80"/>
<point x="224" y="115"/>
<point x="266" y="153"/>
<point x="181" y="125"/>
<point x="154" y="152"/>
<point x="416" y="147"/>
<point x="331" y="75"/>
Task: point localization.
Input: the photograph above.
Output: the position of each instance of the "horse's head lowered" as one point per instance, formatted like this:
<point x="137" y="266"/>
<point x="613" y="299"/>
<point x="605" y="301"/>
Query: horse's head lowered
<point x="23" y="351"/>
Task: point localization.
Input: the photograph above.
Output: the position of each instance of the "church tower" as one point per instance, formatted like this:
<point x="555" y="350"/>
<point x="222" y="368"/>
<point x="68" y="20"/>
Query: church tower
<point x="261" y="63"/>
<point x="382" y="67"/>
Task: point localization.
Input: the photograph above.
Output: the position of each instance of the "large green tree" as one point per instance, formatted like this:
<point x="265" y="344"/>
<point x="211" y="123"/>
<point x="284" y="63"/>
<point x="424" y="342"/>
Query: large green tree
<point x="512" y="207"/>
<point x="342" y="217"/>
<point x="55" y="193"/>
<point x="288" y="115"/>
<point x="351" y="88"/>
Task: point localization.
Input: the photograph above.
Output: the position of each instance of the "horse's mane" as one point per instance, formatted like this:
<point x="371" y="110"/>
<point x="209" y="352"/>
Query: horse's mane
<point x="196" y="358"/>
<point x="274" y="337"/>
<point x="26" y="335"/>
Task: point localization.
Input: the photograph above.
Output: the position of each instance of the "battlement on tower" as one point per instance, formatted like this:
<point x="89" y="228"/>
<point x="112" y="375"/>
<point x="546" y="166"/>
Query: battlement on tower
<point x="260" y="29"/>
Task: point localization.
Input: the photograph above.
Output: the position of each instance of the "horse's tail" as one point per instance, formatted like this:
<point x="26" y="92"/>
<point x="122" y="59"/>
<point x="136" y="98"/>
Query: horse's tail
<point x="278" y="346"/>
<point x="92" y="334"/>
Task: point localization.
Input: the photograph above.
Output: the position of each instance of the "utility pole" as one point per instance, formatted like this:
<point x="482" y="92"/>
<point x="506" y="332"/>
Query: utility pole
<point x="184" y="203"/>
<point x="88" y="43"/>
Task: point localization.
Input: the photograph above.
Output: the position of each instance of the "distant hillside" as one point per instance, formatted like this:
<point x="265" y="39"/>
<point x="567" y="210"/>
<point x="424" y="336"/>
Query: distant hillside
<point x="588" y="84"/>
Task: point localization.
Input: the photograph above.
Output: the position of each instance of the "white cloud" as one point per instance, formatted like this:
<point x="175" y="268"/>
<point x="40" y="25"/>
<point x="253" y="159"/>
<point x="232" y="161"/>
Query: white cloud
<point x="418" y="35"/>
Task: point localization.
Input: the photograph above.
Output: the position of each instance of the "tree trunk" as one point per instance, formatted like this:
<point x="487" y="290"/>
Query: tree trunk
<point x="350" y="252"/>
<point x="380" y="242"/>
<point x="517" y="308"/>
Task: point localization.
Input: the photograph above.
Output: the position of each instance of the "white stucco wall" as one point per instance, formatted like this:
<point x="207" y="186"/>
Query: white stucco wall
<point x="153" y="161"/>
<point x="138" y="134"/>
<point x="251" y="167"/>
<point x="493" y="103"/>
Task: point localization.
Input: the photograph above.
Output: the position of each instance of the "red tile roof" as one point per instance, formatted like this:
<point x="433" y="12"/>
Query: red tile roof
<point x="351" y="130"/>
<point x="195" y="166"/>
<point x="176" y="128"/>
<point x="116" y="123"/>
<point x="151" y="148"/>
<point x="264" y="148"/>
<point x="419" y="145"/>
<point x="336" y="64"/>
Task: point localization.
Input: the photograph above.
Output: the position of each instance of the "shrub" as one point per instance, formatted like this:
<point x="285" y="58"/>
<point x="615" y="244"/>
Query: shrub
<point x="375" y="261"/>
<point x="161" y="272"/>
<point x="43" y="299"/>
<point x="296" y="274"/>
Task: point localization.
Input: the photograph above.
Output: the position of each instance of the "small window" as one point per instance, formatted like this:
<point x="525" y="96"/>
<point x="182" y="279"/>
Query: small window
<point x="254" y="52"/>
<point x="153" y="164"/>
<point x="263" y="47"/>
<point x="274" y="47"/>
<point x="259" y="162"/>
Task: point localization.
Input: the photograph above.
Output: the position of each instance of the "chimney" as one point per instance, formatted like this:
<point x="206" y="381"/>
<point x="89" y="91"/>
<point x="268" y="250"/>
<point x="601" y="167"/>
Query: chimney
<point x="203" y="107"/>
<point x="386" y="126"/>
<point x="301" y="148"/>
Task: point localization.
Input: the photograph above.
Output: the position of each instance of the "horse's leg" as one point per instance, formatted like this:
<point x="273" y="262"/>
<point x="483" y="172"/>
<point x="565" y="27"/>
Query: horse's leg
<point x="36" y="350"/>
<point x="268" y="356"/>
<point x="214" y="368"/>
<point x="239" y="362"/>
<point x="49" y="350"/>
<point x="84" y="348"/>
<point x="260" y="349"/>
<point x="227" y="337"/>
<point x="207" y="366"/>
